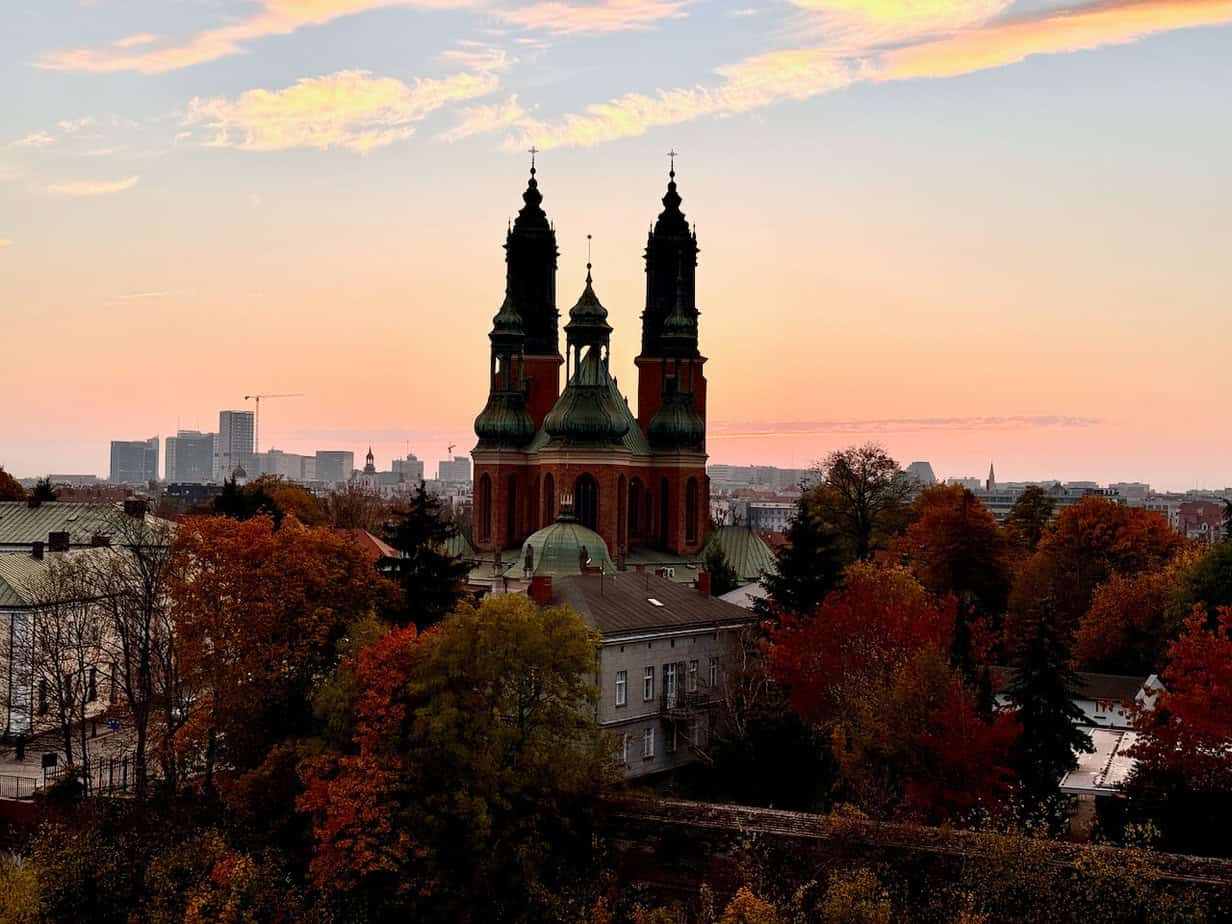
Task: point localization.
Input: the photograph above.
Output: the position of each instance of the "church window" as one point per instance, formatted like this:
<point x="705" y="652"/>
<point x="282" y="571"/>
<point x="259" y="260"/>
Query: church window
<point x="485" y="507"/>
<point x="690" y="511"/>
<point x="586" y="501"/>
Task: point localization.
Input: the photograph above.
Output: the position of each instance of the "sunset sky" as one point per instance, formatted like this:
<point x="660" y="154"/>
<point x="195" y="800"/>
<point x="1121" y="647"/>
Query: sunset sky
<point x="973" y="230"/>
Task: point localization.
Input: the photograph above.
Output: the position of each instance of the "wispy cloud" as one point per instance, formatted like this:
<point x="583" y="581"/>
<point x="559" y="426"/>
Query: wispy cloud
<point x="93" y="187"/>
<point x="606" y="16"/>
<point x="872" y="40"/>
<point x="477" y="56"/>
<point x="71" y="126"/>
<point x="151" y="54"/>
<point x="349" y="109"/>
<point x="755" y="428"/>
<point x="33" y="140"/>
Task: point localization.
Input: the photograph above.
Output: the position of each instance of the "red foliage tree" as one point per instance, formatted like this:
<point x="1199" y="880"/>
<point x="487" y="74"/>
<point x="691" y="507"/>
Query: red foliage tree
<point x="1187" y="737"/>
<point x="963" y="761"/>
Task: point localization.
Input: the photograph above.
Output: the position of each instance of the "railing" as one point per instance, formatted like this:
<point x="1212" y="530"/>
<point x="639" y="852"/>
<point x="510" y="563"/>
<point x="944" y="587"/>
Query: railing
<point x="102" y="776"/>
<point x="680" y="703"/>
<point x="17" y="787"/>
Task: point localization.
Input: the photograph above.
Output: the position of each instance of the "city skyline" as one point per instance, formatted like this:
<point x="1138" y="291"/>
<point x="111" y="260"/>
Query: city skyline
<point x="323" y="177"/>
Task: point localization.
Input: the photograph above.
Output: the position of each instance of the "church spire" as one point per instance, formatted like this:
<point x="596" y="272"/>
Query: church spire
<point x="671" y="265"/>
<point x="530" y="259"/>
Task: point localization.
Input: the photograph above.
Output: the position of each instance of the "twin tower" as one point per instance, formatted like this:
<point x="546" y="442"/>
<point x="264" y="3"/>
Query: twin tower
<point x="636" y="481"/>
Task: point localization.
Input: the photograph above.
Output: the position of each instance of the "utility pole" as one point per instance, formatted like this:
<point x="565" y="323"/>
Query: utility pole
<point x="256" y="423"/>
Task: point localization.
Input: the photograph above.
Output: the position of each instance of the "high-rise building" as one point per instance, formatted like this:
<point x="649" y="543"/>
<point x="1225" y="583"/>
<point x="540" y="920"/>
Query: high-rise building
<point x="334" y="466"/>
<point x="234" y="447"/>
<point x="411" y="469"/>
<point x="190" y="457"/>
<point x="134" y="461"/>
<point x="288" y="465"/>
<point x="635" y="481"/>
<point x="455" y="470"/>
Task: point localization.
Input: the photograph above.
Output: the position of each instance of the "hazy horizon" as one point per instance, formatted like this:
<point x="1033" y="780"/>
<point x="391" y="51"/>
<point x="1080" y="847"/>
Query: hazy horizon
<point x="972" y="230"/>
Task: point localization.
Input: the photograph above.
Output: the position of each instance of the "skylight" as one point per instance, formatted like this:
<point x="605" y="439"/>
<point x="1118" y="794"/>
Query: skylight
<point x="653" y="602"/>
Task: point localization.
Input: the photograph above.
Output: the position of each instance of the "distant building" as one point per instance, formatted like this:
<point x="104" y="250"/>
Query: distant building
<point x="74" y="481"/>
<point x="190" y="457"/>
<point x="334" y="466"/>
<point x="1202" y="520"/>
<point x="456" y="470"/>
<point x="1131" y="490"/>
<point x="768" y="477"/>
<point x="134" y="461"/>
<point x="411" y="469"/>
<point x="233" y="448"/>
<point x="921" y="473"/>
<point x="287" y="465"/>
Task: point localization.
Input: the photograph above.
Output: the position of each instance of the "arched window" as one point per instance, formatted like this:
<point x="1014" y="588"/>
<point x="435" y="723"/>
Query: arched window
<point x="635" y="509"/>
<point x="586" y="501"/>
<point x="485" y="507"/>
<point x="511" y="511"/>
<point x="549" y="499"/>
<point x="622" y="528"/>
<point x="690" y="511"/>
<point x="664" y="497"/>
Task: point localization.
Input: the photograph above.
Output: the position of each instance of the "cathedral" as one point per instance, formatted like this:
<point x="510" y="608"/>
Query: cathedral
<point x="546" y="455"/>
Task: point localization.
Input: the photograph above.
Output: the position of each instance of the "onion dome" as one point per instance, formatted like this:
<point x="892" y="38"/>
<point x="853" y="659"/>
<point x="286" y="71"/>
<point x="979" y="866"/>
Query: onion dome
<point x="671" y="219"/>
<point x="586" y="411"/>
<point x="562" y="547"/>
<point x="507" y="324"/>
<point x="531" y="215"/>
<point x="504" y="422"/>
<point x="677" y="425"/>
<point x="588" y="318"/>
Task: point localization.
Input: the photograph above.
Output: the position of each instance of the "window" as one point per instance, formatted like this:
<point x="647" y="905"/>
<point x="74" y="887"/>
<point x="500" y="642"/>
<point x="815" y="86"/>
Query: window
<point x="671" y="742"/>
<point x="42" y="697"/>
<point x="622" y="687"/>
<point x="698" y="730"/>
<point x="586" y="501"/>
<point x="93" y="693"/>
<point x="714" y="672"/>
<point x="692" y="679"/>
<point x="690" y="511"/>
<point x="648" y="742"/>
<point x="624" y="749"/>
<point x="669" y="683"/>
<point x="648" y="685"/>
<point x="485" y="507"/>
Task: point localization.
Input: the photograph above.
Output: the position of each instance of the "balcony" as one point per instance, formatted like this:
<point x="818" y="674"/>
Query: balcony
<point x="683" y="705"/>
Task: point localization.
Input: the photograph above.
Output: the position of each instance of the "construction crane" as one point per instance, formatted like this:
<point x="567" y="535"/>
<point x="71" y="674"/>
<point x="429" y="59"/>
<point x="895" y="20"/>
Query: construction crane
<point x="450" y="450"/>
<point x="256" y="423"/>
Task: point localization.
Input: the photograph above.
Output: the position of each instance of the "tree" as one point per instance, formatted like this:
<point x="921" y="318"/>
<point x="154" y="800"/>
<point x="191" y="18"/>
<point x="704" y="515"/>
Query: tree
<point x="475" y="757"/>
<point x="259" y="613"/>
<point x="134" y="586"/>
<point x="808" y="566"/>
<point x="1042" y="694"/>
<point x="723" y="577"/>
<point x="1126" y="630"/>
<point x="431" y="578"/>
<point x="955" y="546"/>
<point x="1208" y="583"/>
<point x="354" y="508"/>
<point x="864" y="496"/>
<point x="271" y="496"/>
<point x="1187" y="736"/>
<point x="1087" y="544"/>
<point x="1029" y="517"/>
<point x="44" y="491"/>
<point x="10" y="487"/>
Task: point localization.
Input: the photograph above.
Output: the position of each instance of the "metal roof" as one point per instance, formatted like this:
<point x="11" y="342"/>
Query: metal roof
<point x="22" y="525"/>
<point x="745" y="551"/>
<point x="626" y="602"/>
<point x="21" y="575"/>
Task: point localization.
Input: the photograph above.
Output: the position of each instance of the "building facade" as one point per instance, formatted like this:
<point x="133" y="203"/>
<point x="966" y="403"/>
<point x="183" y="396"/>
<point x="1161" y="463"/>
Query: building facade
<point x="190" y="457"/>
<point x="636" y="480"/>
<point x="233" y="449"/>
<point x="454" y="471"/>
<point x="334" y="466"/>
<point x="134" y="461"/>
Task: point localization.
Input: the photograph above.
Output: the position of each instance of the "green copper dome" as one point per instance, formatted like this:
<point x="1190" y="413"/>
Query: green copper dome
<point x="676" y="425"/>
<point x="504" y="422"/>
<point x="588" y="318"/>
<point x="586" y="411"/>
<point x="507" y="323"/>
<point x="558" y="549"/>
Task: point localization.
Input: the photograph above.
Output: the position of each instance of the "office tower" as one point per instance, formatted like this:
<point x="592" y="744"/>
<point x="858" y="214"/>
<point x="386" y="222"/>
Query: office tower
<point x="190" y="457"/>
<point x="134" y="461"/>
<point x="334" y="466"/>
<point x="234" y="447"/>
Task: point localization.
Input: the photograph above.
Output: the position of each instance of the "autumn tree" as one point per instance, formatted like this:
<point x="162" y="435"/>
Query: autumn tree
<point x="1127" y="627"/>
<point x="864" y="496"/>
<point x="259" y="612"/>
<point x="10" y="487"/>
<point x="1086" y="544"/>
<point x="1184" y="748"/>
<point x="269" y="495"/>
<point x="475" y="755"/>
<point x="1207" y="583"/>
<point x="1041" y="692"/>
<point x="808" y="566"/>
<point x="351" y="507"/>
<point x="432" y="579"/>
<point x="1030" y="516"/>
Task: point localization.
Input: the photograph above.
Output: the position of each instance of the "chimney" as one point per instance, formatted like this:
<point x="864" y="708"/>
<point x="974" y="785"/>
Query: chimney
<point x="36" y="551"/>
<point x="541" y="589"/>
<point x="703" y="583"/>
<point x="99" y="541"/>
<point x="639" y="568"/>
<point x="57" y="542"/>
<point x="135" y="507"/>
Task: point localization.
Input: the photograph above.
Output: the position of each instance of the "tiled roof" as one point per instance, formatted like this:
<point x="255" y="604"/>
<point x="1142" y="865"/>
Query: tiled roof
<point x="627" y="602"/>
<point x="744" y="550"/>
<point x="23" y="525"/>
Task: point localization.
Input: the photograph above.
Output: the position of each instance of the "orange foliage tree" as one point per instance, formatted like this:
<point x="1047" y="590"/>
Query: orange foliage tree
<point x="258" y="613"/>
<point x="1127" y="627"/>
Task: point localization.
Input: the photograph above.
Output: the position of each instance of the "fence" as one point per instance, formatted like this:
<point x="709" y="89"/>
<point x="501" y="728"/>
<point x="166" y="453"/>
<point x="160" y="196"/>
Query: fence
<point x="102" y="776"/>
<point x="17" y="787"/>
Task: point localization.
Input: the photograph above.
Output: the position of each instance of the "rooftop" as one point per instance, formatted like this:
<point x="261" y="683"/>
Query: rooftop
<point x="22" y="525"/>
<point x="627" y="602"/>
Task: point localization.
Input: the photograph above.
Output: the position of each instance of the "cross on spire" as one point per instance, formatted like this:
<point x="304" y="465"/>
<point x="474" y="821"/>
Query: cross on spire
<point x="672" y="154"/>
<point x="532" y="151"/>
<point x="588" y="279"/>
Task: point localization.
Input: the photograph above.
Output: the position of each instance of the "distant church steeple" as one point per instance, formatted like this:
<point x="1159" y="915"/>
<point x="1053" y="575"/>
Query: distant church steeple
<point x="991" y="484"/>
<point x="530" y="260"/>
<point x="369" y="463"/>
